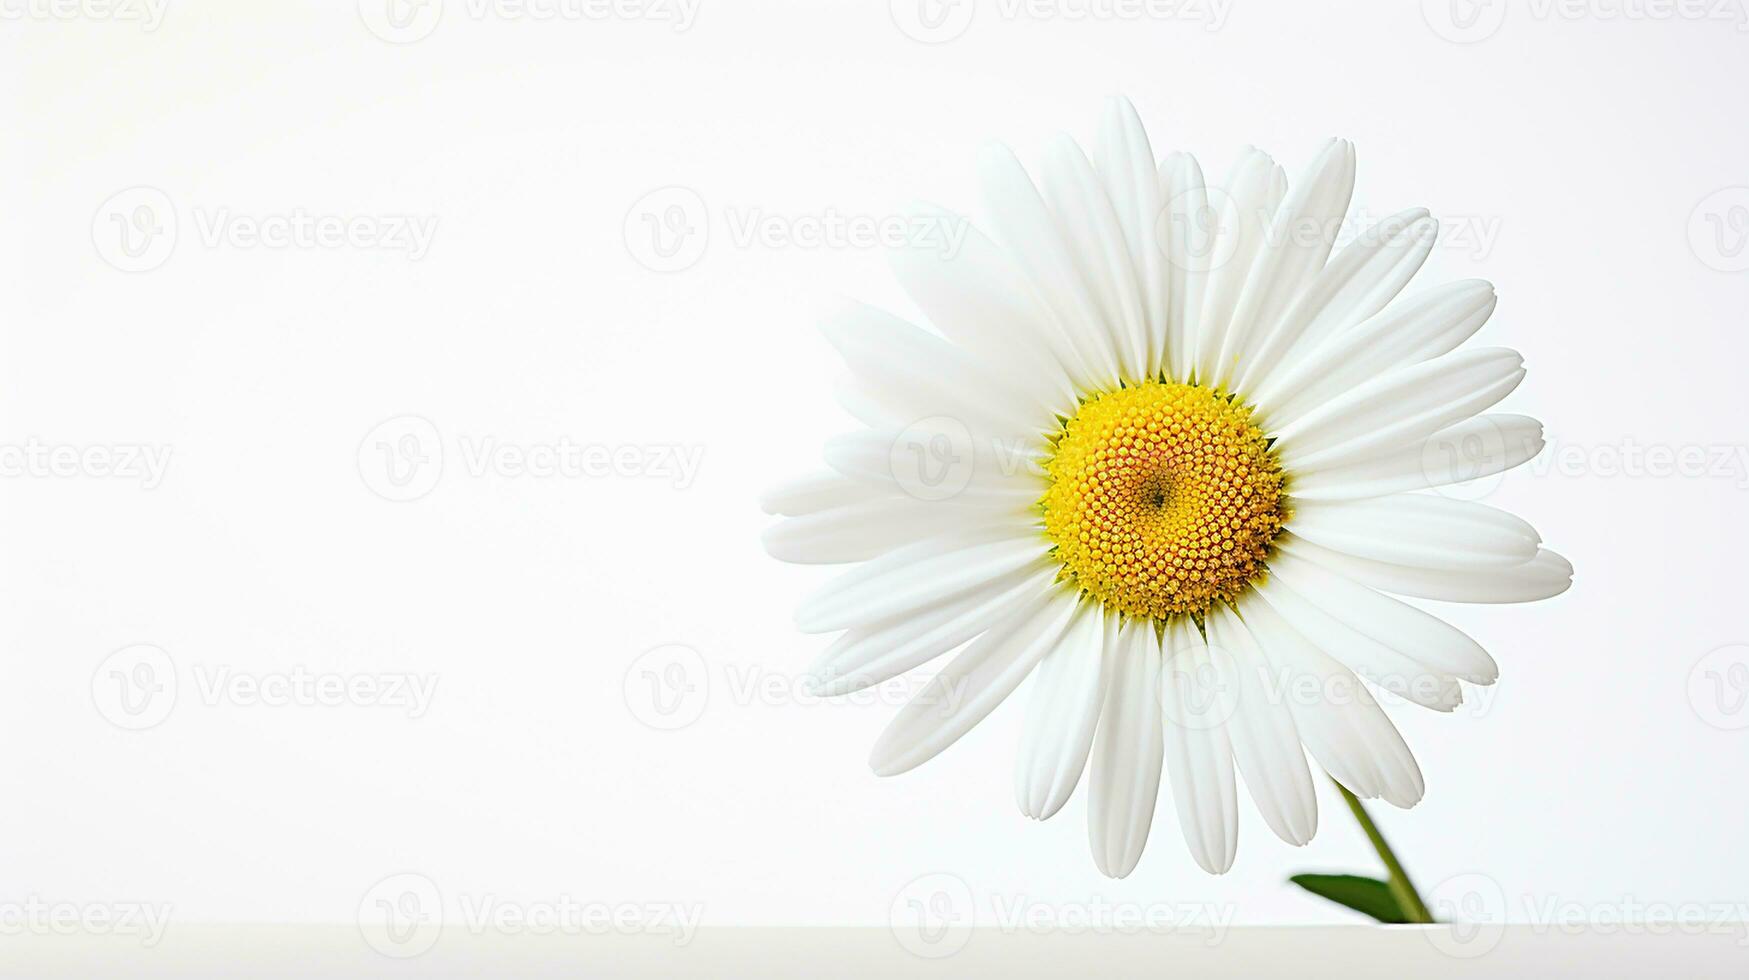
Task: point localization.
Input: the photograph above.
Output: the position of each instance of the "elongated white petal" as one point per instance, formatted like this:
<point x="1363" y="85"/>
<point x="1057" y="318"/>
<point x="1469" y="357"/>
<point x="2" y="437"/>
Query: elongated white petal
<point x="1188" y="229"/>
<point x="1031" y="235"/>
<point x="1296" y="246"/>
<point x="860" y="531"/>
<point x="1131" y="178"/>
<point x="1246" y="206"/>
<point x="971" y="686"/>
<point x="915" y="374"/>
<point x="1067" y="691"/>
<point x="1124" y="782"/>
<point x="816" y="492"/>
<point x="1369" y="272"/>
<point x="870" y="655"/>
<point x="1100" y="255"/>
<point x="1399" y="408"/>
<point x="977" y="298"/>
<point x="1421" y="636"/>
<point x="1390" y="669"/>
<point x="1473" y="449"/>
<point x="1266" y="743"/>
<point x="1406" y="332"/>
<point x="1336" y="716"/>
<point x="1419" y="529"/>
<point x="916" y="577"/>
<point x="1199" y="756"/>
<point x="940" y="458"/>
<point x="1547" y="574"/>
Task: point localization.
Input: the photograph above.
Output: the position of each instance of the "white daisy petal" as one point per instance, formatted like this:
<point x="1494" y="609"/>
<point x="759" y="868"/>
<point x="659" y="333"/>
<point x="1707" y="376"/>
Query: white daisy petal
<point x="1362" y="277"/>
<point x="1407" y="332"/>
<point x="977" y="298"/>
<point x="1246" y="206"/>
<point x="972" y="685"/>
<point x="1100" y="252"/>
<point x="1421" y="636"/>
<point x="871" y="654"/>
<point x="860" y="531"/>
<point x="1124" y="782"/>
<point x="914" y="374"/>
<point x="1187" y="227"/>
<point x="1266" y="744"/>
<point x="1470" y="450"/>
<point x="1067" y="691"/>
<point x="1336" y="716"/>
<point x="1390" y="669"/>
<point x="1399" y="408"/>
<point x="915" y="577"/>
<point x="1424" y="530"/>
<point x="1131" y="178"/>
<point x="1546" y="575"/>
<point x="1199" y="756"/>
<point x="816" y="492"/>
<point x="1296" y="247"/>
<point x="1030" y="232"/>
<point x="979" y="465"/>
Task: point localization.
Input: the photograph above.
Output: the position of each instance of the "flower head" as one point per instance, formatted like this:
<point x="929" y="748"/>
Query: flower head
<point x="1165" y="451"/>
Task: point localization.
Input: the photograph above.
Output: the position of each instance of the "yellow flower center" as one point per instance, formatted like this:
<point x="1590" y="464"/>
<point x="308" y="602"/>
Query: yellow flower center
<point x="1163" y="498"/>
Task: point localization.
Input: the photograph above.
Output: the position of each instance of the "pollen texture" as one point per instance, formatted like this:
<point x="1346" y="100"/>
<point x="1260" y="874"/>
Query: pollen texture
<point x="1163" y="499"/>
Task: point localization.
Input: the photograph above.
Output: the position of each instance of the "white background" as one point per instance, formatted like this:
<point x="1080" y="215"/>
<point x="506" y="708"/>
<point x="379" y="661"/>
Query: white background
<point x="1571" y="153"/>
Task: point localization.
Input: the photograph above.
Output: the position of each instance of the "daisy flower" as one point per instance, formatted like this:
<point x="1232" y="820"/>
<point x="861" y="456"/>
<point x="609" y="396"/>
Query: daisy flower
<point x="1165" y="450"/>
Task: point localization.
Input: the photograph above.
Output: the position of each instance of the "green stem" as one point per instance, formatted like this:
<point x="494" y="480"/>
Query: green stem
<point x="1401" y="888"/>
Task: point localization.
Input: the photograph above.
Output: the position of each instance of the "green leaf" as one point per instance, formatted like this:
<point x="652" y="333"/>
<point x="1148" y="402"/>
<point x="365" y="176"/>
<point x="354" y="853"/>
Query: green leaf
<point x="1369" y="896"/>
